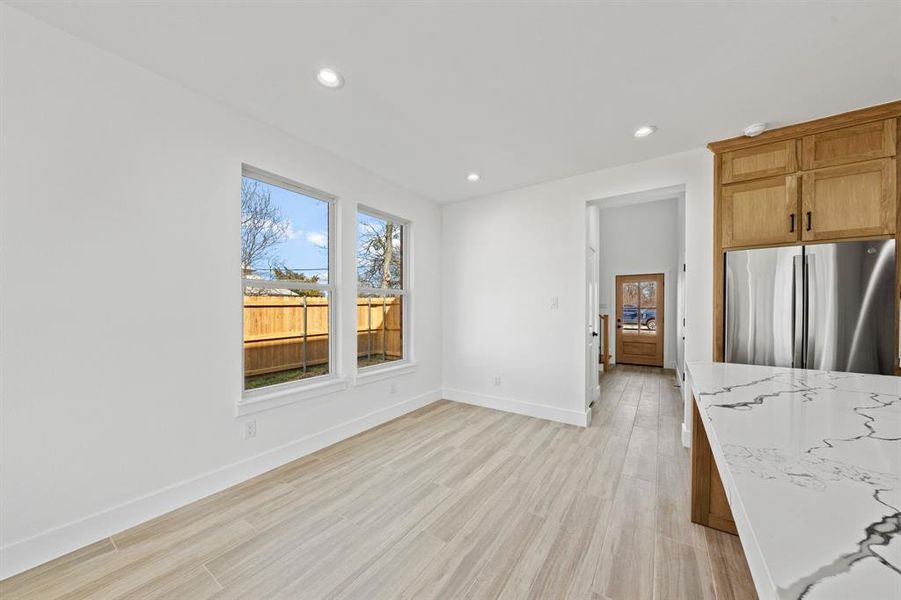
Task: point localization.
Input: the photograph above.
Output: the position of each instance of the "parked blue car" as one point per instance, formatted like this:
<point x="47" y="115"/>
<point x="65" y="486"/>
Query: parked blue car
<point x="648" y="316"/>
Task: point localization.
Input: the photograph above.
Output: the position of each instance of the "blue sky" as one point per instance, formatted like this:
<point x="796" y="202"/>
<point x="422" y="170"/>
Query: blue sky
<point x="363" y="218"/>
<point x="304" y="250"/>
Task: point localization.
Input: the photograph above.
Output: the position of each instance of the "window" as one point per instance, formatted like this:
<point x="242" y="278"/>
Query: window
<point x="382" y="297"/>
<point x="286" y="271"/>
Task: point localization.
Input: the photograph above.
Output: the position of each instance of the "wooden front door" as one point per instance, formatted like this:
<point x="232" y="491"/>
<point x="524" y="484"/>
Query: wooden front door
<point x="639" y="319"/>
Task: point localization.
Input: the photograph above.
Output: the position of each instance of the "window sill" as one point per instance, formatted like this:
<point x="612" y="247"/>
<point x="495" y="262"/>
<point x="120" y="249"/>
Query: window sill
<point x="255" y="401"/>
<point x="382" y="372"/>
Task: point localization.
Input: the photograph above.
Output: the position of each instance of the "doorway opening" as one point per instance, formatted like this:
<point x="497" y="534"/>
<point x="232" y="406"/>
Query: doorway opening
<point x="640" y="319"/>
<point x="636" y="234"/>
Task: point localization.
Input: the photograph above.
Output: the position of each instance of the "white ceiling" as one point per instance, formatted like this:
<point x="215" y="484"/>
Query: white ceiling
<point x="519" y="92"/>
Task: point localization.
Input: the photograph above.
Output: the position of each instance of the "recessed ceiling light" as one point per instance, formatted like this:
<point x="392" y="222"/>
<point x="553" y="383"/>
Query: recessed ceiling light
<point x="645" y="131"/>
<point x="330" y="78"/>
<point x="473" y="177"/>
<point x="755" y="129"/>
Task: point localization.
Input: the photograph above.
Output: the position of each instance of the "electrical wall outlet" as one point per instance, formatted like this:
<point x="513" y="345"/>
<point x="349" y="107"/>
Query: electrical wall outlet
<point x="497" y="381"/>
<point x="392" y="389"/>
<point x="250" y="429"/>
<point x="555" y="303"/>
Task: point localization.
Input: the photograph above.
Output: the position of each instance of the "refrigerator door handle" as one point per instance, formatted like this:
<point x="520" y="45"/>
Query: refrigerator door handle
<point x="809" y="333"/>
<point x="798" y="311"/>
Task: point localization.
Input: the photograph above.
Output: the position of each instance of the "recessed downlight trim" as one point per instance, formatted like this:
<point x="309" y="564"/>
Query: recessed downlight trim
<point x="644" y="131"/>
<point x="473" y="177"/>
<point x="330" y="78"/>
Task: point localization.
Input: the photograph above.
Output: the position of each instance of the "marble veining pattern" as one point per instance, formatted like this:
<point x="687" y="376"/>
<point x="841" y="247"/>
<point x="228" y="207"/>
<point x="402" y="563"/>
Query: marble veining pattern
<point x="811" y="462"/>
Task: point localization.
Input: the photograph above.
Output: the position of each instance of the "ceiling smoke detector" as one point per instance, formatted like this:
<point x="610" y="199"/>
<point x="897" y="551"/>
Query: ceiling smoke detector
<point x="755" y="129"/>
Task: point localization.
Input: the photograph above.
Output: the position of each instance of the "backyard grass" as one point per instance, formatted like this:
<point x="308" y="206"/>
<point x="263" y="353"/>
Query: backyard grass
<point x="257" y="381"/>
<point x="376" y="359"/>
<point x="252" y="382"/>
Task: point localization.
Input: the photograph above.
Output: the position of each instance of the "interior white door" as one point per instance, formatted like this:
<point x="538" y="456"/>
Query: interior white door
<point x="592" y="383"/>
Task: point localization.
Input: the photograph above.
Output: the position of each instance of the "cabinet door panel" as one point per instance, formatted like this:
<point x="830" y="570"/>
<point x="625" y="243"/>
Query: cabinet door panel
<point x="850" y="201"/>
<point x="779" y="158"/>
<point x="760" y="212"/>
<point x="848" y="145"/>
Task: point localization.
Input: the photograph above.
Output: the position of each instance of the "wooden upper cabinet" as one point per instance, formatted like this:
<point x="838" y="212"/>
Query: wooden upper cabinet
<point x="848" y="145"/>
<point x="854" y="200"/>
<point x="779" y="158"/>
<point x="760" y="212"/>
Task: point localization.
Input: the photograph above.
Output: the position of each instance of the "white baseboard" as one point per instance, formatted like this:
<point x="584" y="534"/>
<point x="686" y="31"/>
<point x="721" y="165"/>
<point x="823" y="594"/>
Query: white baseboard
<point x="529" y="409"/>
<point x="686" y="436"/>
<point x="25" y="554"/>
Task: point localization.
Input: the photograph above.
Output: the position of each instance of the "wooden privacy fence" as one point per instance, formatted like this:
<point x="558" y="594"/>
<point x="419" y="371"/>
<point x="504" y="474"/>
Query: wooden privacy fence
<point x="292" y="332"/>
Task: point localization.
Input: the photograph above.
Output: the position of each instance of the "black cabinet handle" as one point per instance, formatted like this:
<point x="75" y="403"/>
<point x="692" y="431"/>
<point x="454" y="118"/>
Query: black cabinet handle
<point x="792" y="222"/>
<point x="808" y="220"/>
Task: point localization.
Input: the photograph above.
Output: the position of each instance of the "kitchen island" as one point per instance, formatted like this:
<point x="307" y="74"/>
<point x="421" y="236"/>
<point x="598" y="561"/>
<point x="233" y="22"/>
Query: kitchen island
<point x="805" y="466"/>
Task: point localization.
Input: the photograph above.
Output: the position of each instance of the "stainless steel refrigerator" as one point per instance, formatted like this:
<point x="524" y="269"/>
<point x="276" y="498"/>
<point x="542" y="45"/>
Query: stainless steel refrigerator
<point x="823" y="306"/>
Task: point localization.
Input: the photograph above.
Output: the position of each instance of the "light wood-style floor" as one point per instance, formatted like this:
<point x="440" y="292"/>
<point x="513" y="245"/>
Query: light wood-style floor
<point x="451" y="501"/>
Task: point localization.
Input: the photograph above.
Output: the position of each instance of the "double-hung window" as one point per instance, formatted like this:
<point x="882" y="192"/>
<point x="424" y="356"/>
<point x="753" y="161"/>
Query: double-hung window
<point x="382" y="291"/>
<point x="287" y="271"/>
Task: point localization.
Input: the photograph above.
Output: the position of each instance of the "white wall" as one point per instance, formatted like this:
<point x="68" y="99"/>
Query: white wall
<point x="120" y="311"/>
<point x="504" y="258"/>
<point x="637" y="239"/>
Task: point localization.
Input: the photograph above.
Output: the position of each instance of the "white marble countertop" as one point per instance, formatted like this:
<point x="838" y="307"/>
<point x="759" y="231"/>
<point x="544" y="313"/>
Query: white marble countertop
<point x="811" y="463"/>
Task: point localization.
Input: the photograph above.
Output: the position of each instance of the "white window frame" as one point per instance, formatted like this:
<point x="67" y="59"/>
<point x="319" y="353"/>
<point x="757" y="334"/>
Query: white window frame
<point x="292" y="391"/>
<point x="406" y="363"/>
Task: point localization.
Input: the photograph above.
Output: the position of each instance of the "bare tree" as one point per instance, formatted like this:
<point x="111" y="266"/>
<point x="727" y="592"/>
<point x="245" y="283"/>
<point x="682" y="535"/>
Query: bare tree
<point x="388" y="258"/>
<point x="378" y="261"/>
<point x="262" y="224"/>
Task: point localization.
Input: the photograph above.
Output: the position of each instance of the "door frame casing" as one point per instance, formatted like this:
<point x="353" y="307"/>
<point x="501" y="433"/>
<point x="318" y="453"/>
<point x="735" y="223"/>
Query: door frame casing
<point x="593" y="279"/>
<point x="667" y="282"/>
<point x="594" y="334"/>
